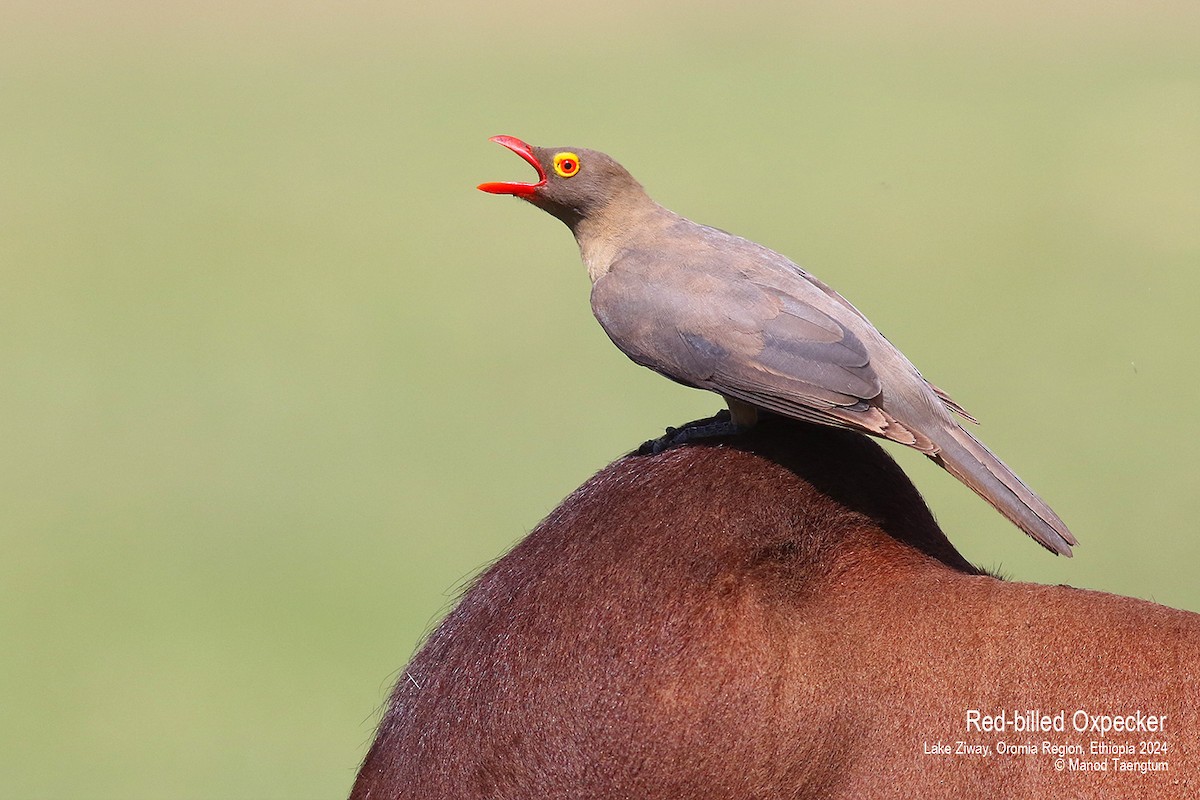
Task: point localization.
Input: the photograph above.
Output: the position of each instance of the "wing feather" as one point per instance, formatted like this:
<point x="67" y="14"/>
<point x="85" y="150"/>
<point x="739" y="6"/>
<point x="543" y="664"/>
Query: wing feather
<point x="779" y="350"/>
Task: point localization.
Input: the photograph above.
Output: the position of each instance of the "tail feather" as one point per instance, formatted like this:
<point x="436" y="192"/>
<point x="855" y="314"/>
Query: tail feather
<point x="966" y="458"/>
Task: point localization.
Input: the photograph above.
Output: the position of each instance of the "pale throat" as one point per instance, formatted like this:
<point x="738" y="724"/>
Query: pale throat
<point x="598" y="254"/>
<point x="602" y="238"/>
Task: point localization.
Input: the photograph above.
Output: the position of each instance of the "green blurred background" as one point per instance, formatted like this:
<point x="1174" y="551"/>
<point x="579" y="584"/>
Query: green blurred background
<point x="275" y="380"/>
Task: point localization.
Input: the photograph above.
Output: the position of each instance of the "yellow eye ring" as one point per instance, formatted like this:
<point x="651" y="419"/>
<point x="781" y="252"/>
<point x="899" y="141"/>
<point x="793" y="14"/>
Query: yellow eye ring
<point x="566" y="164"/>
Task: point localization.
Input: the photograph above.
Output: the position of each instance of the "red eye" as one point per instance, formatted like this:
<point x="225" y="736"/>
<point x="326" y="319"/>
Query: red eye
<point x="566" y="164"/>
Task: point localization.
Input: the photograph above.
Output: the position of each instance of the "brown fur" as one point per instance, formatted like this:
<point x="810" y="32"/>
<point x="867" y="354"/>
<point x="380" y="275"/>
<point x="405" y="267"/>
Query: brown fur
<point x="771" y="616"/>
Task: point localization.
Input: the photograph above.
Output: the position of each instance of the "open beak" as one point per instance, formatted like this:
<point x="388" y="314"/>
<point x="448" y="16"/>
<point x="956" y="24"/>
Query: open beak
<point x="517" y="189"/>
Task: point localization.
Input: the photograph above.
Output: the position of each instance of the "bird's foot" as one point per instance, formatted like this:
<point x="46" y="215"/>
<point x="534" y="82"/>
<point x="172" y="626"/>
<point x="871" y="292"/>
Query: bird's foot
<point x="721" y="424"/>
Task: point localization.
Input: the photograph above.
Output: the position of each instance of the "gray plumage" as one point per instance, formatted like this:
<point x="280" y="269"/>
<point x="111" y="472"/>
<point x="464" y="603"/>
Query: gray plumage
<point x="715" y="311"/>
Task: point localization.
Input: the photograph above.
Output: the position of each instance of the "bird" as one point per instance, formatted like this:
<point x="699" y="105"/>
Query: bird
<point x="714" y="311"/>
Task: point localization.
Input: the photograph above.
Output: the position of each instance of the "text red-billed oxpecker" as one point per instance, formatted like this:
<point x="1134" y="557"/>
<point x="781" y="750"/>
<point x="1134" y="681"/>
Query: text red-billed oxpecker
<point x="714" y="311"/>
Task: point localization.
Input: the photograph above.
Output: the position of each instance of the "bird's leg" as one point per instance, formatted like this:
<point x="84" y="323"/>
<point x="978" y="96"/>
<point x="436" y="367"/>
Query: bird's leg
<point x="739" y="417"/>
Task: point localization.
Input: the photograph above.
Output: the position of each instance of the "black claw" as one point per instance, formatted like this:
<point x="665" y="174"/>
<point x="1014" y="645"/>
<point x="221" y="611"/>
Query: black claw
<point x="720" y="424"/>
<point x="653" y="447"/>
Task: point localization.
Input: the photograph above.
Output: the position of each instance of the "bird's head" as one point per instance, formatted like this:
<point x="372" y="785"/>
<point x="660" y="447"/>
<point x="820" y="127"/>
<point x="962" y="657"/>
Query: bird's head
<point x="573" y="183"/>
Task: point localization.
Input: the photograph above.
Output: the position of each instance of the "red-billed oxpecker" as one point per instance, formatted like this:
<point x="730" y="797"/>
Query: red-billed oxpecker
<point x="714" y="311"/>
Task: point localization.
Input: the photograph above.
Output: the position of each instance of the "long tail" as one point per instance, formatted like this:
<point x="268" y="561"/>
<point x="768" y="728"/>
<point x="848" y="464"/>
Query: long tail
<point x="966" y="458"/>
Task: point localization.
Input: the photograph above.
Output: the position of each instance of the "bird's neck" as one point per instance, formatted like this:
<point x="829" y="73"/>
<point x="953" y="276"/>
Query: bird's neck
<point x="603" y="235"/>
